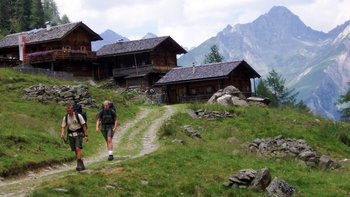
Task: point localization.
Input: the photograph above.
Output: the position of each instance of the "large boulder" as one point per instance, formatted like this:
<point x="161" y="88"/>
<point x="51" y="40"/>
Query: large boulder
<point x="224" y="100"/>
<point x="236" y="101"/>
<point x="279" y="188"/>
<point x="262" y="180"/>
<point x="327" y="162"/>
<point x="231" y="90"/>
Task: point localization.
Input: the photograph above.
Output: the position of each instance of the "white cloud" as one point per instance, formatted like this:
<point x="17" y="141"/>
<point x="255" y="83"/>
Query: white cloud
<point x="190" y="22"/>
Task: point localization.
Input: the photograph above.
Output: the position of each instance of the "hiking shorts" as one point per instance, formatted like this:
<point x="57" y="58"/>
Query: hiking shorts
<point x="76" y="141"/>
<point x="107" y="131"/>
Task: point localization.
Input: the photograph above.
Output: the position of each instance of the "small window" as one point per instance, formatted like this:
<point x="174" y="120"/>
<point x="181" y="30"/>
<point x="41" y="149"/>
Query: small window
<point x="193" y="91"/>
<point x="209" y="89"/>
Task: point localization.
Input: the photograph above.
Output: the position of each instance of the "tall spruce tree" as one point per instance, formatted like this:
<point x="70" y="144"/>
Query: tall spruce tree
<point x="213" y="56"/>
<point x="37" y="15"/>
<point x="4" y="17"/>
<point x="20" y="15"/>
<point x="65" y="19"/>
<point x="344" y="100"/>
<point x="51" y="12"/>
<point x="273" y="87"/>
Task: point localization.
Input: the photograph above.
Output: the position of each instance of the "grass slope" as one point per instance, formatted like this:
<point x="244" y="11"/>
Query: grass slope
<point x="29" y="130"/>
<point x="199" y="167"/>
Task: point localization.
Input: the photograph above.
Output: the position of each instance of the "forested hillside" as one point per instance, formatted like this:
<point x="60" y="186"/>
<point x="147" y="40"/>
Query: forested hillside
<point x="23" y="15"/>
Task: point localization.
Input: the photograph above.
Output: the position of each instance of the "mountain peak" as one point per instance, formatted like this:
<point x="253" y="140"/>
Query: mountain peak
<point x="149" y="35"/>
<point x="280" y="10"/>
<point x="281" y="13"/>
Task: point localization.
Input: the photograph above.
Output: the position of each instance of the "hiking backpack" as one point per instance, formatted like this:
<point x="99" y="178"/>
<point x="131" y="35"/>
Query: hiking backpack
<point x="111" y="106"/>
<point x="78" y="109"/>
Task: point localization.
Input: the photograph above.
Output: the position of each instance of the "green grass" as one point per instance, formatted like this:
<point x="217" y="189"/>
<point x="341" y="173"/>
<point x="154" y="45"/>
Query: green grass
<point x="29" y="130"/>
<point x="200" y="167"/>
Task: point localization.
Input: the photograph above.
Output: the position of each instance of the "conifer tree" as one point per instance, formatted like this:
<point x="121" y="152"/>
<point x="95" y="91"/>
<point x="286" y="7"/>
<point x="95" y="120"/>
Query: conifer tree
<point x="344" y="100"/>
<point x="37" y="15"/>
<point x="65" y="19"/>
<point x="273" y="87"/>
<point x="51" y="12"/>
<point x="20" y="15"/>
<point x="213" y="56"/>
<point x="4" y="17"/>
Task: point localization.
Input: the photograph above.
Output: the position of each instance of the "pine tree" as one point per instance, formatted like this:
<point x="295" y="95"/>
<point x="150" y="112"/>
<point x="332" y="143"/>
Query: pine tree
<point x="213" y="56"/>
<point x="273" y="87"/>
<point x="37" y="15"/>
<point x="281" y="94"/>
<point x="20" y="15"/>
<point x="65" y="19"/>
<point x="344" y="100"/>
<point x="51" y="12"/>
<point x="263" y="91"/>
<point x="4" y="17"/>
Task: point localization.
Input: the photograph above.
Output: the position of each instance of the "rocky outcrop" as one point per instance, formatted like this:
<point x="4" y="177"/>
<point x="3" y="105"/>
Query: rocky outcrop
<point x="231" y="95"/>
<point x="279" y="187"/>
<point x="60" y="94"/>
<point x="260" y="181"/>
<point x="202" y="113"/>
<point x="190" y="131"/>
<point x="280" y="147"/>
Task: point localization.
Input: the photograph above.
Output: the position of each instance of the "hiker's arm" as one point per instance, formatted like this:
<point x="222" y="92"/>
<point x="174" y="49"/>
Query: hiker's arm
<point x="97" y="124"/>
<point x="62" y="132"/>
<point x="115" y="124"/>
<point x="85" y="132"/>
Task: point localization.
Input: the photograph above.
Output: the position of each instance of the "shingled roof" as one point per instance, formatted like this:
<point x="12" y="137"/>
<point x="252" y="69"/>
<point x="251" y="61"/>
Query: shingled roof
<point x="43" y="35"/>
<point x="205" y="72"/>
<point x="137" y="46"/>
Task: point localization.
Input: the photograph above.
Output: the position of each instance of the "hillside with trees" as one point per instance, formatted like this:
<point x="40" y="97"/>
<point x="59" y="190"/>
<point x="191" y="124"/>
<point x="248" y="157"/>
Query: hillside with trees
<point x="24" y="15"/>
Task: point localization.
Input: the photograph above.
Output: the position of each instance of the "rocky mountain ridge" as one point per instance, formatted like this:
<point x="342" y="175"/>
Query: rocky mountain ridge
<point x="313" y="62"/>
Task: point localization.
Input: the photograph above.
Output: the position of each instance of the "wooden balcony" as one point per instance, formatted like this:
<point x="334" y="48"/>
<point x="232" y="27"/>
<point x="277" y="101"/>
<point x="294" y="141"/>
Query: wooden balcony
<point x="139" y="70"/>
<point x="55" y="55"/>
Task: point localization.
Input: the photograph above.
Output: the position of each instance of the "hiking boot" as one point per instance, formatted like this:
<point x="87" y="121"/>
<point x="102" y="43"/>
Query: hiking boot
<point x="80" y="165"/>
<point x="110" y="157"/>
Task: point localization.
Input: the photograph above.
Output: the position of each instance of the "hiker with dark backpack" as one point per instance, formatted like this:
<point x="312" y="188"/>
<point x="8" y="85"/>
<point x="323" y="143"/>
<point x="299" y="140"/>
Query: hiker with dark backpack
<point x="109" y="123"/>
<point x="76" y="131"/>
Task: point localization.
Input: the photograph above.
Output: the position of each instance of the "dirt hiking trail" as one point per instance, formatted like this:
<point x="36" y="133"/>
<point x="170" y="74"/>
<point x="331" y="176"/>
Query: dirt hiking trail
<point x="25" y="184"/>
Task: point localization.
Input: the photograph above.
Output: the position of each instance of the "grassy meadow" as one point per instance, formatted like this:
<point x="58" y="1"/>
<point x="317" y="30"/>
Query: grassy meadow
<point x="199" y="167"/>
<point x="30" y="131"/>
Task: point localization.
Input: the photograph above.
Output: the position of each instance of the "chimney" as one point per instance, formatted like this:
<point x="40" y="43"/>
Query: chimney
<point x="48" y="25"/>
<point x="193" y="68"/>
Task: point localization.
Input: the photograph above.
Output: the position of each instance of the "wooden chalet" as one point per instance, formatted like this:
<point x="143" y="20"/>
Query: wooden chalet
<point x="139" y="63"/>
<point x="64" y="48"/>
<point x="199" y="83"/>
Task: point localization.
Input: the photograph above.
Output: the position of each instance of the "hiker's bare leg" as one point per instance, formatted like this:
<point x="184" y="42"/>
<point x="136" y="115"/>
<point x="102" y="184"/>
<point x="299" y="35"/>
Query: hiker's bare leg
<point x="78" y="153"/>
<point x="109" y="143"/>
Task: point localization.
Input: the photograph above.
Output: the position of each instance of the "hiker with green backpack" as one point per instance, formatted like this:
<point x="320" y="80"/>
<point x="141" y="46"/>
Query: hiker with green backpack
<point x="76" y="131"/>
<point x="109" y="123"/>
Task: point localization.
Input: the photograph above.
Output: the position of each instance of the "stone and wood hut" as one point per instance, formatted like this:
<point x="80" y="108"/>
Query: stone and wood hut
<point x="64" y="48"/>
<point x="139" y="63"/>
<point x="198" y="83"/>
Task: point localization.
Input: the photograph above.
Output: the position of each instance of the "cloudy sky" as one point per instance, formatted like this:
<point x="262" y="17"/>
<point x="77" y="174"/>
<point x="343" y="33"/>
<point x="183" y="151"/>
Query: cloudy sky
<point x="190" y="22"/>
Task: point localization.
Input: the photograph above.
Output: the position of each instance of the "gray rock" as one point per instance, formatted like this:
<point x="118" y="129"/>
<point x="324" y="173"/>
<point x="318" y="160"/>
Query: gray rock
<point x="214" y="97"/>
<point x="232" y="90"/>
<point x="62" y="190"/>
<point x="224" y="100"/>
<point x="327" y="162"/>
<point x="236" y="101"/>
<point x="262" y="180"/>
<point x="228" y="184"/>
<point x="306" y="155"/>
<point x="280" y="188"/>
<point x="190" y="131"/>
